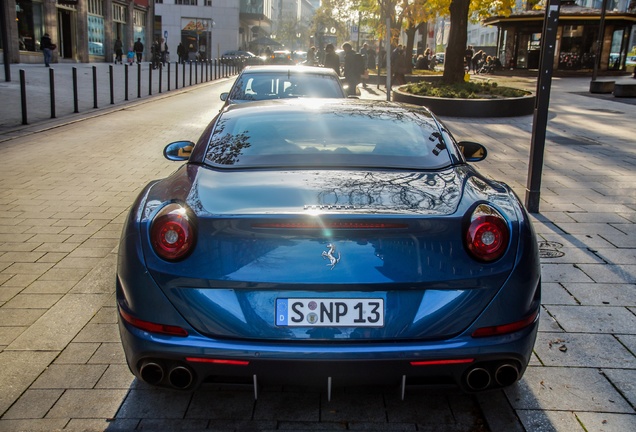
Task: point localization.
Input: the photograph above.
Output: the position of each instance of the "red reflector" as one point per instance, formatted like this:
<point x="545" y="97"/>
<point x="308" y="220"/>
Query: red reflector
<point x="441" y="362"/>
<point x="218" y="361"/>
<point x="505" y="328"/>
<point x="329" y="225"/>
<point x="152" y="327"/>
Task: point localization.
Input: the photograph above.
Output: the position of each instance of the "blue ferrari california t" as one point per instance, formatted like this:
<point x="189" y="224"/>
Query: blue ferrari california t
<point x="328" y="242"/>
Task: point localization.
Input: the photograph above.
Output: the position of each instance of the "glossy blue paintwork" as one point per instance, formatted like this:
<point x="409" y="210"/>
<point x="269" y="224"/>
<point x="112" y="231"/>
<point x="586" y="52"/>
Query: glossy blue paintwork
<point x="224" y="293"/>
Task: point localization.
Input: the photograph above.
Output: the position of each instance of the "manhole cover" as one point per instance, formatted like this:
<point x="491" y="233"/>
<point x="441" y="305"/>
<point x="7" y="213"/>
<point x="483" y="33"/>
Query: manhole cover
<point x="549" y="249"/>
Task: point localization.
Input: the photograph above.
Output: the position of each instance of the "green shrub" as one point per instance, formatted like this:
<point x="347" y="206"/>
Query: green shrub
<point x="466" y="90"/>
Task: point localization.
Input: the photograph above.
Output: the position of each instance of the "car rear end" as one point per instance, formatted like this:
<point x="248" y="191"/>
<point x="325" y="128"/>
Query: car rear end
<point x="328" y="277"/>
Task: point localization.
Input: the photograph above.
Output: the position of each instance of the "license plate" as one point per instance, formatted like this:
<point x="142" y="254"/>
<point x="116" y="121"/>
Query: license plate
<point x="330" y="312"/>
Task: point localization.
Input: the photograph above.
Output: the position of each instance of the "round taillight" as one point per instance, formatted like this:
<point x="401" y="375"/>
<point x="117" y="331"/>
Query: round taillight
<point x="487" y="236"/>
<point x="172" y="233"/>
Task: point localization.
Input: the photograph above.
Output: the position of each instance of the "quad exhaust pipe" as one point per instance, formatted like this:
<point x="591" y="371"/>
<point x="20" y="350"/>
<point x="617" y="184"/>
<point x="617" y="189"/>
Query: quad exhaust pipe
<point x="179" y="377"/>
<point x="506" y="374"/>
<point x="480" y="378"/>
<point x="151" y="372"/>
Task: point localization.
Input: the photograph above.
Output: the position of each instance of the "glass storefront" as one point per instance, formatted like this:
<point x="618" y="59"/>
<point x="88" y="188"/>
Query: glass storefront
<point x="139" y="26"/>
<point x="95" y="35"/>
<point x="30" y="21"/>
<point x="196" y="37"/>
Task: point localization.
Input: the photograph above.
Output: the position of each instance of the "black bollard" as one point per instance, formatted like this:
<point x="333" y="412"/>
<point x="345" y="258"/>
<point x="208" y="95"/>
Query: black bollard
<point x="52" y="87"/>
<point x="94" y="86"/>
<point x="191" y="72"/>
<point x="176" y="76"/>
<point x="23" y="99"/>
<point x="75" y="94"/>
<point x="150" y="80"/>
<point x="160" y="68"/>
<point x="168" y="77"/>
<point x="183" y="75"/>
<point x="112" y="85"/>
<point x="138" y="80"/>
<point x="126" y="82"/>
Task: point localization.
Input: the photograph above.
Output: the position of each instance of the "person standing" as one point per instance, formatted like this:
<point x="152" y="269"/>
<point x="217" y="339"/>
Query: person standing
<point x="47" y="49"/>
<point x="398" y="65"/>
<point x="468" y="57"/>
<point x="165" y="53"/>
<point x="119" y="51"/>
<point x="139" y="49"/>
<point x="353" y="67"/>
<point x="365" y="52"/>
<point x="331" y="58"/>
<point x="182" y="53"/>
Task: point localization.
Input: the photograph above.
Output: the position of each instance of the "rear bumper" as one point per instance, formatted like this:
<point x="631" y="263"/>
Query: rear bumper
<point x="165" y="360"/>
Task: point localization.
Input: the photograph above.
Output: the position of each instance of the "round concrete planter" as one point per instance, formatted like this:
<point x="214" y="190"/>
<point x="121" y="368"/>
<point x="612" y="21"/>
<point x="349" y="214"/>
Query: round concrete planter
<point x="510" y="107"/>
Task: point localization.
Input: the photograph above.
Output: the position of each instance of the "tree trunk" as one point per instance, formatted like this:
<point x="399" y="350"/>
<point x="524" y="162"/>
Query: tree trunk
<point x="454" y="61"/>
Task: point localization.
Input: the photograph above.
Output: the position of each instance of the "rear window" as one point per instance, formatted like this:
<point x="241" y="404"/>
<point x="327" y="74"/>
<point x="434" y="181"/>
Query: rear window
<point x="250" y="87"/>
<point x="343" y="138"/>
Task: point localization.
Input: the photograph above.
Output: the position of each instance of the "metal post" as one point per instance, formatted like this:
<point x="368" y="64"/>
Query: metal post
<point x="542" y="103"/>
<point x="138" y="80"/>
<point x="75" y="94"/>
<point x="196" y="74"/>
<point x="183" y="75"/>
<point x="5" y="42"/>
<point x="52" y="88"/>
<point x="23" y="99"/>
<point x="160" y="75"/>
<point x="126" y="82"/>
<point x="168" y="77"/>
<point x="176" y="76"/>
<point x="191" y="72"/>
<point x="599" y="41"/>
<point x="150" y="81"/>
<point x="94" y="86"/>
<point x="112" y="85"/>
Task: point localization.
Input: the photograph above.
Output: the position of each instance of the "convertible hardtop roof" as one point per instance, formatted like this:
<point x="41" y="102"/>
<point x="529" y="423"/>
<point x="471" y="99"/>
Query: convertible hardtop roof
<point x="319" y="105"/>
<point x="315" y="70"/>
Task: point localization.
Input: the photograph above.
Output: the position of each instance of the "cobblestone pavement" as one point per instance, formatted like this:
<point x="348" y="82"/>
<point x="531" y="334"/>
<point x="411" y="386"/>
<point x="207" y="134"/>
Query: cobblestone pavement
<point x="66" y="187"/>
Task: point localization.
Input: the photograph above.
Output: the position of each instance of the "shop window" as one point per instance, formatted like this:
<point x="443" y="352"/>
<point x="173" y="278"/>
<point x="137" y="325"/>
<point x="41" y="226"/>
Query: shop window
<point x="29" y="17"/>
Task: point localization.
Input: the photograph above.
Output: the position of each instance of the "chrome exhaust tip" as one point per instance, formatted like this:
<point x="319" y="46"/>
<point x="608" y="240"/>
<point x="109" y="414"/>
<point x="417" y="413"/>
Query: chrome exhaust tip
<point x="478" y="379"/>
<point x="506" y="374"/>
<point x="151" y="372"/>
<point x="180" y="377"/>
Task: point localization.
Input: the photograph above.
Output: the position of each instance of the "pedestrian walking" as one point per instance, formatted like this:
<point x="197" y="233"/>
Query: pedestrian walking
<point x="331" y="58"/>
<point x="182" y="53"/>
<point x="47" y="48"/>
<point x="119" y="51"/>
<point x="398" y="64"/>
<point x="365" y="53"/>
<point x="139" y="49"/>
<point x="165" y="54"/>
<point x="130" y="56"/>
<point x="353" y="68"/>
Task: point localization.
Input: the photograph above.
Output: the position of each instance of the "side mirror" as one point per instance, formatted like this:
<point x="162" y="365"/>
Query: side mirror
<point x="472" y="151"/>
<point x="178" y="151"/>
<point x="224" y="96"/>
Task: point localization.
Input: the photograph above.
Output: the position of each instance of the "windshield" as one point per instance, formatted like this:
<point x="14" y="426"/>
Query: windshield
<point x="262" y="86"/>
<point x="350" y="137"/>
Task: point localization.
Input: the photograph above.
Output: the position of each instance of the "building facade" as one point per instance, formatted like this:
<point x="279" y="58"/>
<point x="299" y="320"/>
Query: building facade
<point x="206" y="28"/>
<point x="86" y="30"/>
<point x="519" y="37"/>
<point x="83" y="30"/>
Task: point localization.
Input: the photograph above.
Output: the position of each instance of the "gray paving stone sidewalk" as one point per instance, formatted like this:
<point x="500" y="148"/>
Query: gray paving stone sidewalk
<point x="66" y="186"/>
